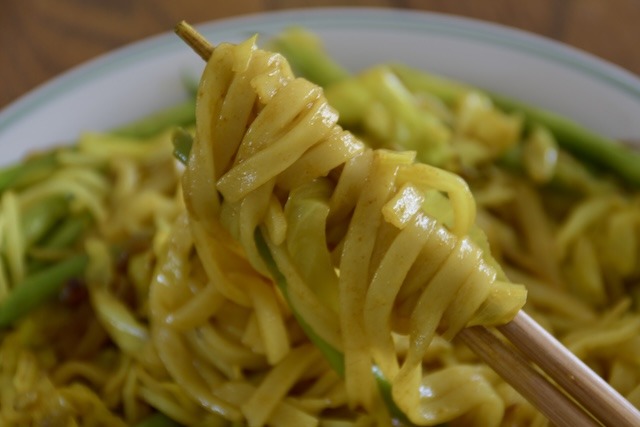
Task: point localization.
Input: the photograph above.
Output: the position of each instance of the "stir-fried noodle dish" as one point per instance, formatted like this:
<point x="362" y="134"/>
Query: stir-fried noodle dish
<point x="304" y="247"/>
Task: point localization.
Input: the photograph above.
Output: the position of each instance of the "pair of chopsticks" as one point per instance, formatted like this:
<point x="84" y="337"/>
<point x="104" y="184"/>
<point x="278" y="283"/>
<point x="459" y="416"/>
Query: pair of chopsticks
<point x="549" y="376"/>
<point x="535" y="364"/>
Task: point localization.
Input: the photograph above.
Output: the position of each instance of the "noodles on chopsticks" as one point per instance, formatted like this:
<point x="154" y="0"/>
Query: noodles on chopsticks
<point x="355" y="257"/>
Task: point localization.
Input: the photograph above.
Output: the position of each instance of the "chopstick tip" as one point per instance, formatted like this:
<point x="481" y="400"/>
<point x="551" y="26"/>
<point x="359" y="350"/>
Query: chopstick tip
<point x="194" y="39"/>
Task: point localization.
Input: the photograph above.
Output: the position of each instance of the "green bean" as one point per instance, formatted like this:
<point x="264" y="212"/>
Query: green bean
<point x="68" y="232"/>
<point x="589" y="146"/>
<point x="62" y="237"/>
<point x="39" y="218"/>
<point x="158" y="420"/>
<point x="38" y="288"/>
<point x="182" y="114"/>
<point x="28" y="171"/>
<point x="307" y="58"/>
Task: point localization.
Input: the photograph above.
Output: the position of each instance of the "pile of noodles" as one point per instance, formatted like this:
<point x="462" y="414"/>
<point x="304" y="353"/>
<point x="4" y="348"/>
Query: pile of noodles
<point x="380" y="256"/>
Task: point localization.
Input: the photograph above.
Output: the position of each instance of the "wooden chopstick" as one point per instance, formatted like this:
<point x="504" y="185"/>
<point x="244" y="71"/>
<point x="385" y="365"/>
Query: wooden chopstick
<point x="194" y="40"/>
<point x="515" y="369"/>
<point x="581" y="388"/>
<point x="587" y="400"/>
<point x="569" y="372"/>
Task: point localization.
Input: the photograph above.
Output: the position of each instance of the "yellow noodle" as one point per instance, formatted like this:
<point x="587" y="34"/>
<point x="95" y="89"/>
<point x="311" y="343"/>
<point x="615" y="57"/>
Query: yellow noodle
<point x="275" y="222"/>
<point x="620" y="242"/>
<point x="318" y="161"/>
<point x="283" y="415"/>
<point x="345" y="195"/>
<point x="197" y="309"/>
<point x="222" y="350"/>
<point x="306" y="214"/>
<point x="354" y="271"/>
<point x="89" y="373"/>
<point x="250" y="214"/>
<point x="385" y="284"/>
<point x="464" y="206"/>
<point x="173" y="350"/>
<point x="276" y="384"/>
<point x="537" y="233"/>
<point x="581" y="217"/>
<point x="172" y="400"/>
<point x="583" y="268"/>
<point x="268" y="162"/>
<point x="270" y="321"/>
<point x="13" y="238"/>
<point x="113" y="390"/>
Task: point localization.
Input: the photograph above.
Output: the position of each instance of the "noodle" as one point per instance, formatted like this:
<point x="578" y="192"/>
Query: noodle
<point x="306" y="268"/>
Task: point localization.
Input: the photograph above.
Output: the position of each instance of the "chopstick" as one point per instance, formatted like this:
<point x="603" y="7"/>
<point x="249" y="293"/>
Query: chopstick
<point x="581" y="388"/>
<point x="569" y="372"/>
<point x="515" y="369"/>
<point x="576" y="396"/>
<point x="194" y="39"/>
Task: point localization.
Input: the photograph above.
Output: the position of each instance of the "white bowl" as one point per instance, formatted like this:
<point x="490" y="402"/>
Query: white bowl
<point x="138" y="79"/>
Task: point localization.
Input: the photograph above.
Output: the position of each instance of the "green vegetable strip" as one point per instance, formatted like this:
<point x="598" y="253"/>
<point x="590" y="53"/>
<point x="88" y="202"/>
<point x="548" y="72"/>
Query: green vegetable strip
<point x="38" y="219"/>
<point x="63" y="236"/>
<point x="182" y="146"/>
<point x="333" y="356"/>
<point x="158" y="420"/>
<point x="40" y="287"/>
<point x="182" y="142"/>
<point x="307" y="58"/>
<point x="68" y="232"/>
<point x="182" y="114"/>
<point x="30" y="170"/>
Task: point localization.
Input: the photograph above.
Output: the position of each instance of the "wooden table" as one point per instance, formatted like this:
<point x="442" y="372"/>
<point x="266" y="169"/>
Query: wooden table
<point x="42" y="38"/>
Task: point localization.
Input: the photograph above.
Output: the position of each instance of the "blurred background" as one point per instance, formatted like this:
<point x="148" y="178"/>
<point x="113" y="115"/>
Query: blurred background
<point x="40" y="39"/>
